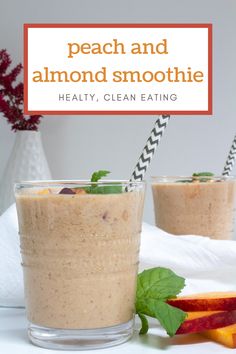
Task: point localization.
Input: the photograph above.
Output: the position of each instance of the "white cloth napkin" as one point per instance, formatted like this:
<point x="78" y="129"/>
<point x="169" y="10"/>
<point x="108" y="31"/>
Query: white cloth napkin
<point x="11" y="278"/>
<point x="207" y="265"/>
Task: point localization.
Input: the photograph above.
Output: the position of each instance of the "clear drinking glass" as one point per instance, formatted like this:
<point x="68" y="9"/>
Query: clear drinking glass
<point x="195" y="205"/>
<point x="80" y="259"/>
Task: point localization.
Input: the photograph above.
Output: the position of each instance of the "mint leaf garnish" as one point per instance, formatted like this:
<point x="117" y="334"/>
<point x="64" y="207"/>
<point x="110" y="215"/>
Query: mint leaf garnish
<point x="169" y="317"/>
<point x="144" y="323"/>
<point x="195" y="177"/>
<point x="159" y="283"/>
<point x="111" y="188"/>
<point x="207" y="176"/>
<point x="96" y="176"/>
<point x="204" y="174"/>
<point x="184" y="181"/>
<point x="154" y="287"/>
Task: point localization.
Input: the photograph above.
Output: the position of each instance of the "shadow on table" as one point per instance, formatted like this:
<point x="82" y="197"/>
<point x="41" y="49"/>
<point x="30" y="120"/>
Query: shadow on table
<point x="157" y="341"/>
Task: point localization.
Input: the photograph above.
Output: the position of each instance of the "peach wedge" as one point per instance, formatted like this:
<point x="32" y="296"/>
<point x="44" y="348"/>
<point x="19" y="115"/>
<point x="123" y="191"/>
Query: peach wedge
<point x="218" y="301"/>
<point x="205" y="320"/>
<point x="225" y="335"/>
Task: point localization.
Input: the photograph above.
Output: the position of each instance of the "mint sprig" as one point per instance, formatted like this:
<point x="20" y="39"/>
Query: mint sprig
<point x="204" y="174"/>
<point x="206" y="177"/>
<point x="111" y="188"/>
<point x="144" y="321"/>
<point x="154" y="287"/>
<point x="96" y="176"/>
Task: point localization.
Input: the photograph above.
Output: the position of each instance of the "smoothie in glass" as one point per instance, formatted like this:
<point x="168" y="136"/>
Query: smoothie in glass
<point x="80" y="258"/>
<point x="195" y="206"/>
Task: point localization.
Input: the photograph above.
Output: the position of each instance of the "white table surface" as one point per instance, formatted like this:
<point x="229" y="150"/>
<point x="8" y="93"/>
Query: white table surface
<point x="13" y="340"/>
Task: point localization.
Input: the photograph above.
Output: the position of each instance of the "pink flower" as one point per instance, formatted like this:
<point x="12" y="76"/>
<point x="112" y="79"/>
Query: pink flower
<point x="12" y="96"/>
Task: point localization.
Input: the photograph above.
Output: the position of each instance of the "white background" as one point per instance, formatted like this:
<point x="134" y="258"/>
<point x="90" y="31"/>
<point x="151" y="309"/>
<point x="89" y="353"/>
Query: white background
<point x="77" y="145"/>
<point x="48" y="47"/>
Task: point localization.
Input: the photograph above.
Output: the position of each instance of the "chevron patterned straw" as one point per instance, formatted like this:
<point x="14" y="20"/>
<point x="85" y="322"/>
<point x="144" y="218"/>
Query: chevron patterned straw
<point x="149" y="149"/>
<point x="231" y="159"/>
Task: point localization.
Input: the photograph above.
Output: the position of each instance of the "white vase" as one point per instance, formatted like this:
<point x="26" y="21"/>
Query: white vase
<point x="26" y="162"/>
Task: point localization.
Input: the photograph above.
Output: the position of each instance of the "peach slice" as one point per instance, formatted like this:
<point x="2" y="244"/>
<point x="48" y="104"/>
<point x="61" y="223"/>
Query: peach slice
<point x="205" y="320"/>
<point x="79" y="191"/>
<point x="72" y="191"/>
<point x="218" y="301"/>
<point x="225" y="335"/>
<point x="44" y="191"/>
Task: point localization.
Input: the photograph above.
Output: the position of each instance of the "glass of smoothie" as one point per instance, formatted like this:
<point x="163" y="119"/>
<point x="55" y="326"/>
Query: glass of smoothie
<point x="80" y="250"/>
<point x="203" y="205"/>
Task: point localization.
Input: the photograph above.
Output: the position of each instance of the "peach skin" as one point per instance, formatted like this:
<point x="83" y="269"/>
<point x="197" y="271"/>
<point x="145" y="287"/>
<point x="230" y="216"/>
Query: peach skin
<point x="204" y="320"/>
<point x="215" y="301"/>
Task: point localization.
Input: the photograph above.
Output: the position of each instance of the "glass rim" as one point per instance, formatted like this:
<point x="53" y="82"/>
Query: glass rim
<point x="72" y="182"/>
<point x="166" y="178"/>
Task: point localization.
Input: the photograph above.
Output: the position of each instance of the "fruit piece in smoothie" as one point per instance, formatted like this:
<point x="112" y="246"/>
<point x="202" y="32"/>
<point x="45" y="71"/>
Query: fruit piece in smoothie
<point x="72" y="191"/>
<point x="67" y="191"/>
<point x="45" y="191"/>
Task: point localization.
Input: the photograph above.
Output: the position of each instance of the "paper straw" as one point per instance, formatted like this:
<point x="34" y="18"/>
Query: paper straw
<point x="230" y="159"/>
<point x="149" y="149"/>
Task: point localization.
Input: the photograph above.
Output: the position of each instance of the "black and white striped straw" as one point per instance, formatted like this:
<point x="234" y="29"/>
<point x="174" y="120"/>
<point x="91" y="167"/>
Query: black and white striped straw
<point x="229" y="164"/>
<point x="149" y="149"/>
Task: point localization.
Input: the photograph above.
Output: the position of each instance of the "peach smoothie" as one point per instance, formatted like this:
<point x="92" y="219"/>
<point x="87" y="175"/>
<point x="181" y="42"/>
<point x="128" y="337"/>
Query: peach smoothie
<point x="195" y="206"/>
<point x="80" y="257"/>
